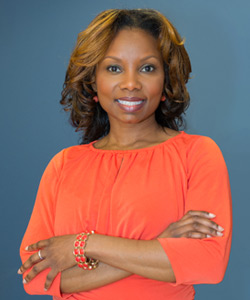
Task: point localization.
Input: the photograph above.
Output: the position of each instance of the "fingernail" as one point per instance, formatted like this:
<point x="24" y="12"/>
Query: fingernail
<point x="45" y="289"/>
<point x="208" y="236"/>
<point x="27" y="248"/>
<point x="19" y="271"/>
<point x="210" y="215"/>
<point x="220" y="228"/>
<point x="24" y="281"/>
<point x="219" y="233"/>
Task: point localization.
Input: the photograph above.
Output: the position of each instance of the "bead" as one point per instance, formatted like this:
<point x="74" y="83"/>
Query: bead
<point x="79" y="249"/>
<point x="83" y="258"/>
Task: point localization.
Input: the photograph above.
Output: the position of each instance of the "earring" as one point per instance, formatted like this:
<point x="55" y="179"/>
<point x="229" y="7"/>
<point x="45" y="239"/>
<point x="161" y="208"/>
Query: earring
<point x="95" y="98"/>
<point x="163" y="98"/>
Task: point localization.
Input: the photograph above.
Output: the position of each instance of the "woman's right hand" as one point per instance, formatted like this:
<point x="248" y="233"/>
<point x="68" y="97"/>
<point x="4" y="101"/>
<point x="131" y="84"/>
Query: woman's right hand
<point x="194" y="224"/>
<point x="55" y="253"/>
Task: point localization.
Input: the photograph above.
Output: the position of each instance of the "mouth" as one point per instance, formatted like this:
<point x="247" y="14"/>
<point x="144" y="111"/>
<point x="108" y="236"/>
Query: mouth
<point x="130" y="104"/>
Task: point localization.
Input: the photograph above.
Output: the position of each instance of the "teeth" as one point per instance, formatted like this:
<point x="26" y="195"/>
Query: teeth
<point x="129" y="103"/>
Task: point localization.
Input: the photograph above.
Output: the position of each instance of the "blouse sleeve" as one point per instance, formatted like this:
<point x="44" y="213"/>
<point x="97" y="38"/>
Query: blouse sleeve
<point x="196" y="261"/>
<point x="41" y="225"/>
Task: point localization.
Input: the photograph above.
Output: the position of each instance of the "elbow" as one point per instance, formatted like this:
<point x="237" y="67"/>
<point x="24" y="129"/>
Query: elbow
<point x="218" y="275"/>
<point x="208" y="270"/>
<point x="216" y="271"/>
<point x="219" y="266"/>
<point x="217" y="279"/>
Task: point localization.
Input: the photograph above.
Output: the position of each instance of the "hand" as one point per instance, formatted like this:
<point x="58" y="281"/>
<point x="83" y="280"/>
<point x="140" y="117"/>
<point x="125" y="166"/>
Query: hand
<point x="55" y="253"/>
<point x="194" y="224"/>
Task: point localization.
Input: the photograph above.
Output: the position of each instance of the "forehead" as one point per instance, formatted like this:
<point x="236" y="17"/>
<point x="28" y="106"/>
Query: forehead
<point x="133" y="41"/>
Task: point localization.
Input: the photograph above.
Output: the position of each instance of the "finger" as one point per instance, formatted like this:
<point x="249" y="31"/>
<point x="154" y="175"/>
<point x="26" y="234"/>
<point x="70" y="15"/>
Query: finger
<point x="37" y="246"/>
<point x="196" y="227"/>
<point x="33" y="259"/>
<point x="197" y="213"/>
<point x="195" y="220"/>
<point x="196" y="235"/>
<point x="49" y="279"/>
<point x="201" y="213"/>
<point x="39" y="267"/>
<point x="202" y="225"/>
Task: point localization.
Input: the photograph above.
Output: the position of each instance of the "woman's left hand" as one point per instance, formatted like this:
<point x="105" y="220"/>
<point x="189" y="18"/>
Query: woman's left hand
<point x="55" y="253"/>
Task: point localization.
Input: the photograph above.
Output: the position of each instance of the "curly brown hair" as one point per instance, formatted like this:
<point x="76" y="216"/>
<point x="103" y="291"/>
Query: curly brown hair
<point x="78" y="92"/>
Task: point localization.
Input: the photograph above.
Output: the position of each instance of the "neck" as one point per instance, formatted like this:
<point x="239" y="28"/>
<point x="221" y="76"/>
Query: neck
<point x="126" y="136"/>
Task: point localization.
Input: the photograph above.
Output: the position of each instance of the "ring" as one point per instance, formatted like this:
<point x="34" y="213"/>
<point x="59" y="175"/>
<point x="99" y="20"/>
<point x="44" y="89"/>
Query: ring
<point x="39" y="254"/>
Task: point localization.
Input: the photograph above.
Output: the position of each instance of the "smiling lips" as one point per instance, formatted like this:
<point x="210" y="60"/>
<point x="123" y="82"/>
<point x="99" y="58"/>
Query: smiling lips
<point x="130" y="104"/>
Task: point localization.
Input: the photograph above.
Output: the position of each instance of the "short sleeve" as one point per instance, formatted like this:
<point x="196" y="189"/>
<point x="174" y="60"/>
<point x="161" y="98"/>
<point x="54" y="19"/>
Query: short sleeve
<point x="196" y="261"/>
<point x="41" y="224"/>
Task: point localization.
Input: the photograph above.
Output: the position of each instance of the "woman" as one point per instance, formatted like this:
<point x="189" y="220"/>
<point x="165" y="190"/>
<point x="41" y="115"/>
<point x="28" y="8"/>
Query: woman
<point x="158" y="199"/>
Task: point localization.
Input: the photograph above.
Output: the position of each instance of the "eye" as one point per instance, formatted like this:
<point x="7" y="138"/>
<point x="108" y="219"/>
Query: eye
<point x="148" y="68"/>
<point x="114" y="69"/>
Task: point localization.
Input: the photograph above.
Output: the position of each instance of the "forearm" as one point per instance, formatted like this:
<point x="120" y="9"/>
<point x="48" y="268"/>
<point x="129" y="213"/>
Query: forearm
<point x="144" y="258"/>
<point x="76" y="280"/>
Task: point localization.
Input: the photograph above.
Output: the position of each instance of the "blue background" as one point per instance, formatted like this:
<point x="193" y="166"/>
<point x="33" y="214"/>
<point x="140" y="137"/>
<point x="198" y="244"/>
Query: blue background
<point x="37" y="37"/>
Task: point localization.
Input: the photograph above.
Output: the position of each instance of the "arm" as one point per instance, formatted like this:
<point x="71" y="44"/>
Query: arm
<point x="40" y="227"/>
<point x="197" y="261"/>
<point x="41" y="223"/>
<point x="148" y="258"/>
<point x="144" y="258"/>
<point x="76" y="280"/>
<point x="57" y="254"/>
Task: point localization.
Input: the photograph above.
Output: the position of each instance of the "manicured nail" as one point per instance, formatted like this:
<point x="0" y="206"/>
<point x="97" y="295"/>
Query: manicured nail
<point x="208" y="236"/>
<point x="24" y="281"/>
<point x="19" y="271"/>
<point x="220" y="228"/>
<point x="219" y="233"/>
<point x="210" y="215"/>
<point x="45" y="289"/>
<point x="27" y="248"/>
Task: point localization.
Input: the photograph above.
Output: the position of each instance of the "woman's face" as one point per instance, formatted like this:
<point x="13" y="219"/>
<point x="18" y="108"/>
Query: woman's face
<point x="130" y="78"/>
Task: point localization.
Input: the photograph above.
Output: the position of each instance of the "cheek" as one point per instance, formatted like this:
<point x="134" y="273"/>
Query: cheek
<point x="155" y="88"/>
<point x="105" y="87"/>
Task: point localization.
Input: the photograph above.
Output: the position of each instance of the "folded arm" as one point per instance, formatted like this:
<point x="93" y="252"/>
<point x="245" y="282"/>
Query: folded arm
<point x="122" y="257"/>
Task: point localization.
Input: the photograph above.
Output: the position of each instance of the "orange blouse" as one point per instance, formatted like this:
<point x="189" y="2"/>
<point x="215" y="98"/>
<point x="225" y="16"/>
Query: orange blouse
<point x="136" y="194"/>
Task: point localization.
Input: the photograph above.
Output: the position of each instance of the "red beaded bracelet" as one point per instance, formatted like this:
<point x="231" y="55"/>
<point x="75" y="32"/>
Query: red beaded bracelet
<point x="79" y="251"/>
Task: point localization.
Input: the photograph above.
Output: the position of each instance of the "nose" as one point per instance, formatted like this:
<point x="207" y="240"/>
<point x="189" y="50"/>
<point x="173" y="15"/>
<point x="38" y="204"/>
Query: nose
<point x="130" y="81"/>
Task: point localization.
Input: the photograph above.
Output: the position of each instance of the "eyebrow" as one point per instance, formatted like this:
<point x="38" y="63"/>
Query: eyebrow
<point x="143" y="59"/>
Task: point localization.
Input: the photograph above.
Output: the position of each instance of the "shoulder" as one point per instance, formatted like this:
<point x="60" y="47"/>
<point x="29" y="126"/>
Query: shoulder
<point x="195" y="144"/>
<point x="69" y="154"/>
<point x="203" y="153"/>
